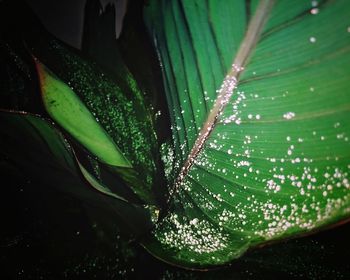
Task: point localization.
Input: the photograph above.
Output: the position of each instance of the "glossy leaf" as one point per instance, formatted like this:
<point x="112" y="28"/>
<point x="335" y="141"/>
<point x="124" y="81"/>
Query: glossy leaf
<point x="258" y="97"/>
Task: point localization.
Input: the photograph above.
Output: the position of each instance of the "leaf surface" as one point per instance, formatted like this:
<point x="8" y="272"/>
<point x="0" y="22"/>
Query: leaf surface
<point x="258" y="93"/>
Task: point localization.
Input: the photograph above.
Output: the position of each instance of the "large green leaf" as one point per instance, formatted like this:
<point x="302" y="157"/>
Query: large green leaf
<point x="258" y="93"/>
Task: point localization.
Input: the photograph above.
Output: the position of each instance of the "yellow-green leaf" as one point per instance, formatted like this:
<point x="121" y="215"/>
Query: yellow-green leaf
<point x="68" y="111"/>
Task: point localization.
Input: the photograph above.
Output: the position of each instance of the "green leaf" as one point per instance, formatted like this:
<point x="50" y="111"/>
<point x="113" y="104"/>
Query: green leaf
<point x="119" y="107"/>
<point x="260" y="110"/>
<point x="20" y="93"/>
<point x="66" y="109"/>
<point x="117" y="102"/>
<point x="41" y="152"/>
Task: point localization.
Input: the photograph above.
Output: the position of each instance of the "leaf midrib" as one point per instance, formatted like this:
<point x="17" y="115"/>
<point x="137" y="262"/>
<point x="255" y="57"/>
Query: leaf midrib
<point x="228" y="85"/>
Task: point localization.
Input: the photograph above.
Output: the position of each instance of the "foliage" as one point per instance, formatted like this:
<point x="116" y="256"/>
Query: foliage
<point x="256" y="93"/>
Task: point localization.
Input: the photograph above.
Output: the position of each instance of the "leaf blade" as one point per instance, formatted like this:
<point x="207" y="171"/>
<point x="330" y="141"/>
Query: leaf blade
<point x="67" y="110"/>
<point x="259" y="174"/>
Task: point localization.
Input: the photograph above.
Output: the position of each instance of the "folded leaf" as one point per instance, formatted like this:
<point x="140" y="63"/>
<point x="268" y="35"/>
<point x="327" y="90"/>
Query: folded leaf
<point x="258" y="96"/>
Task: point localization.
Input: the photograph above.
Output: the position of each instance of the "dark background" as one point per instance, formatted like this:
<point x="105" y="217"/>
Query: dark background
<point x="65" y="18"/>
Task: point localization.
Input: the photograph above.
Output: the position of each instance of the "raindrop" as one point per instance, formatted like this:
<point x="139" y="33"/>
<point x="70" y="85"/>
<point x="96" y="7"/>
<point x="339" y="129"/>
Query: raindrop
<point x="314" y="11"/>
<point x="312" y="39"/>
<point x="289" y="115"/>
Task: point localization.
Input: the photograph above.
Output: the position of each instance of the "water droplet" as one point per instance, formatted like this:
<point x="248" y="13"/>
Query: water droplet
<point x="314" y="11"/>
<point x="289" y="115"/>
<point x="312" y="39"/>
